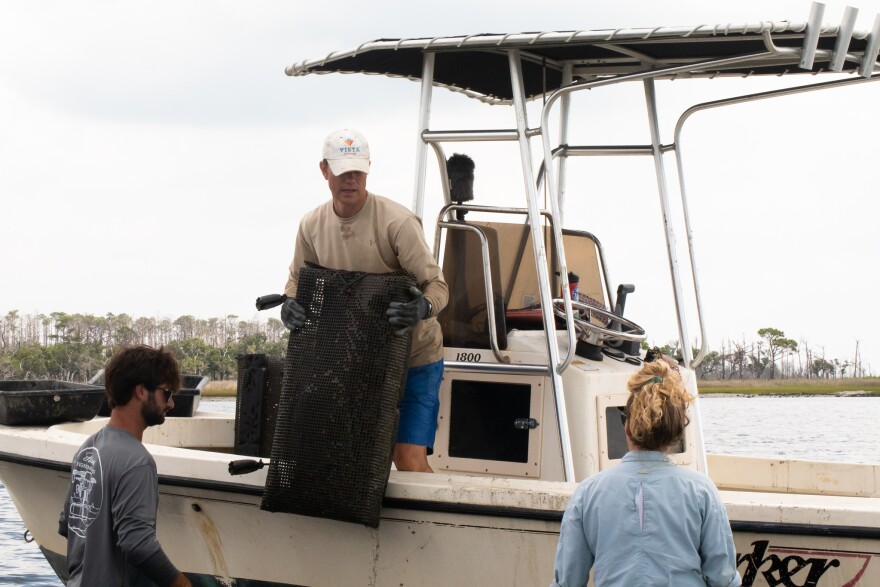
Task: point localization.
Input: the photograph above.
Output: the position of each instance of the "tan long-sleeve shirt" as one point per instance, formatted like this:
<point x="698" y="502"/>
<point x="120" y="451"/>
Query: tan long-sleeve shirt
<point x="384" y="236"/>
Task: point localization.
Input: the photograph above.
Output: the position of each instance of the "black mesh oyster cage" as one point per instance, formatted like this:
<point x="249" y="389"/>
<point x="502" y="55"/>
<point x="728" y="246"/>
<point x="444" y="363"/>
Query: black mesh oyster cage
<point x="345" y="370"/>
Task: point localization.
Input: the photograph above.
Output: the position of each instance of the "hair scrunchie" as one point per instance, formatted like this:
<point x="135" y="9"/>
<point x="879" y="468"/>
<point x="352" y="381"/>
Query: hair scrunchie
<point x="654" y="379"/>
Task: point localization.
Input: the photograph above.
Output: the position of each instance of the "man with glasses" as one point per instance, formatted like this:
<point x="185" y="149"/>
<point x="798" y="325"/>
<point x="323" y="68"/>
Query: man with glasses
<point x="109" y="516"/>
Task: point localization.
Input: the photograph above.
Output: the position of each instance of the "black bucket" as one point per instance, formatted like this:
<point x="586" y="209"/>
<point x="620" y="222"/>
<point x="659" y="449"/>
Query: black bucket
<point x="40" y="403"/>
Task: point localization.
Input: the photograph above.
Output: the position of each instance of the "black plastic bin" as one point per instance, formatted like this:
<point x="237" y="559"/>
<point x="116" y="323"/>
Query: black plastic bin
<point x="186" y="400"/>
<point x="44" y="402"/>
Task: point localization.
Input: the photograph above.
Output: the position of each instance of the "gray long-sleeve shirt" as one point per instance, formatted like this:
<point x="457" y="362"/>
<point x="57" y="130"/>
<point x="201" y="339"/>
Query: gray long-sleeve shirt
<point x="109" y="516"/>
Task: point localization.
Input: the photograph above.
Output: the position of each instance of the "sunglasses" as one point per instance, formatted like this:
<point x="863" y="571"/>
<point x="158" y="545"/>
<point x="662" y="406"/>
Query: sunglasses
<point x="622" y="411"/>
<point x="168" y="392"/>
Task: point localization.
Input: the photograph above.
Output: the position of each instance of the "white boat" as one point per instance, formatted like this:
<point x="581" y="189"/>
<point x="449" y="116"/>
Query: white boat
<point x="524" y="415"/>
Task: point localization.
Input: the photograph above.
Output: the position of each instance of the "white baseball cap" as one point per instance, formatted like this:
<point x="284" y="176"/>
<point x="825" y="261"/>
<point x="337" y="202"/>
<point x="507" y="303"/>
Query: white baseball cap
<point x="347" y="150"/>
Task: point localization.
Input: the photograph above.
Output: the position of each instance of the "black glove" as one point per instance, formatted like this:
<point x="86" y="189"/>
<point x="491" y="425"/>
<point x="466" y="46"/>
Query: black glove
<point x="407" y="314"/>
<point x="292" y="314"/>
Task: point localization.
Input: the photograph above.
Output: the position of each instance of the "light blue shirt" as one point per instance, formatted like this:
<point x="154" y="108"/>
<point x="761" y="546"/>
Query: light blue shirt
<point x="646" y="522"/>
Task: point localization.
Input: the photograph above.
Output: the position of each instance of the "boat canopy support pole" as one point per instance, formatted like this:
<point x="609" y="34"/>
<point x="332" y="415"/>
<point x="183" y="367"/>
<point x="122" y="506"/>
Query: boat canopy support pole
<point x="418" y="205"/>
<point x="537" y="232"/>
<point x="651" y="101"/>
<point x="444" y="177"/>
<point x="564" y="109"/>
<point x="679" y="159"/>
<point x="656" y="148"/>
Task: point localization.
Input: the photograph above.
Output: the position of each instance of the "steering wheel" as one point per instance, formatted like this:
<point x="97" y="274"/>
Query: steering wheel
<point x="589" y="332"/>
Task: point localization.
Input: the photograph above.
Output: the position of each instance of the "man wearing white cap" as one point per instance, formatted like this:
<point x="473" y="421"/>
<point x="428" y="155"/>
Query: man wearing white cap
<point x="360" y="231"/>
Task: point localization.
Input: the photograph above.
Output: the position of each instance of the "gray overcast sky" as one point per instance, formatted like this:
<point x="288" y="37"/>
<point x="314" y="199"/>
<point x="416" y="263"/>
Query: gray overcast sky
<point x="155" y="160"/>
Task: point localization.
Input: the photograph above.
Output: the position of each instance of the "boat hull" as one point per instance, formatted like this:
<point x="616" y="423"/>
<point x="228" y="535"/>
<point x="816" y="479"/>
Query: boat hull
<point x="210" y="533"/>
<point x="218" y="535"/>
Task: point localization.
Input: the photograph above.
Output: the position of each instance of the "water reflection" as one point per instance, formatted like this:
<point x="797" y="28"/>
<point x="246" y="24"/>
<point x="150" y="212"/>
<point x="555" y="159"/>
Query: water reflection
<point x="21" y="563"/>
<point x="811" y="428"/>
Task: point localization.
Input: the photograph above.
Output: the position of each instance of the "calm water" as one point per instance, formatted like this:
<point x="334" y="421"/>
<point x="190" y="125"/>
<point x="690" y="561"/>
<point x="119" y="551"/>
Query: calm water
<point x="818" y="428"/>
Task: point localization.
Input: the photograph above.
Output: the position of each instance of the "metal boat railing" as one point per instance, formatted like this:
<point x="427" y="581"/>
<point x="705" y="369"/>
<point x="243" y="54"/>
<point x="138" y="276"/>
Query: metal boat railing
<point x="447" y="212"/>
<point x="805" y="55"/>
<point x="802" y="57"/>
<point x="487" y="280"/>
<point x="521" y="135"/>
<point x="677" y="147"/>
<point x="452" y="224"/>
<point x="656" y="150"/>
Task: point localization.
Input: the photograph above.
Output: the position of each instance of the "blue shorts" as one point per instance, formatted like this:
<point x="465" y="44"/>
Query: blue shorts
<point x="420" y="405"/>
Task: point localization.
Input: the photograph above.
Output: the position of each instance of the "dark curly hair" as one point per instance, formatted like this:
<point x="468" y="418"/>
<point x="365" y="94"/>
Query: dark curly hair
<point x="138" y="365"/>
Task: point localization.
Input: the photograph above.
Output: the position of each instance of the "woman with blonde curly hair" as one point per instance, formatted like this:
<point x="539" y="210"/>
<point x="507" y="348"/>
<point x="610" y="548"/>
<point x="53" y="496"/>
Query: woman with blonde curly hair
<point x="647" y="521"/>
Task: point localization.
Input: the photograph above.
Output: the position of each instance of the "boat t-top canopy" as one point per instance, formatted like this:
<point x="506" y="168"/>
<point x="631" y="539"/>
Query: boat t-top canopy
<point x="477" y="65"/>
<point x="516" y="67"/>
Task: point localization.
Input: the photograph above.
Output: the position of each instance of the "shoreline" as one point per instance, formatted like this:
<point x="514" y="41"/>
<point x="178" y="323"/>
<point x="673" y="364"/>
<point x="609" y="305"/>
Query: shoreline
<point x="865" y="387"/>
<point x="843" y="387"/>
<point x="793" y="394"/>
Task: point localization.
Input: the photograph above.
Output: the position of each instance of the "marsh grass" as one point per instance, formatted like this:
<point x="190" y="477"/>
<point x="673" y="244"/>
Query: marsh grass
<point x="220" y="388"/>
<point x="870" y="385"/>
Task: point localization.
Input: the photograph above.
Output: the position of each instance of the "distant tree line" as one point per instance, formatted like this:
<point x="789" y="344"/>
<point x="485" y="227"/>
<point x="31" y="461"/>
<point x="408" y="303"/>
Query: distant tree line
<point x="74" y="347"/>
<point x="772" y="356"/>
